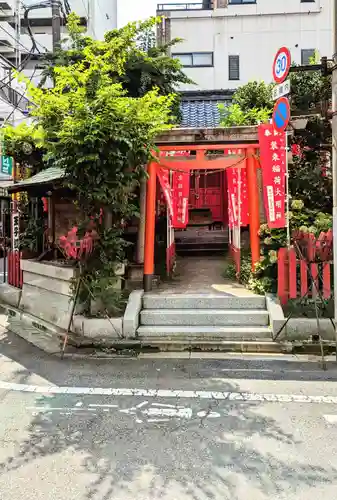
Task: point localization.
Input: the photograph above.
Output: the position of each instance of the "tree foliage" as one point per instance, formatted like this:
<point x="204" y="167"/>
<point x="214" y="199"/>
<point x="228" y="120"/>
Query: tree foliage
<point x="310" y="185"/>
<point x="254" y="95"/>
<point x="25" y="144"/>
<point x="252" y="104"/>
<point x="145" y="66"/>
<point x="101" y="136"/>
<point x="235" y="116"/>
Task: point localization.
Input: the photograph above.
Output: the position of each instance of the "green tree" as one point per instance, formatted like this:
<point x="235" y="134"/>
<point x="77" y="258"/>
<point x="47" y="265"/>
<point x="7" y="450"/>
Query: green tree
<point x="309" y="185"/>
<point x="101" y="136"/>
<point x="25" y="144"/>
<point x="254" y="95"/>
<point x="252" y="104"/>
<point x="146" y="66"/>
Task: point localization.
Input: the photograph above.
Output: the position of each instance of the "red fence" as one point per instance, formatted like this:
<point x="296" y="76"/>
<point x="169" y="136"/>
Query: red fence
<point x="298" y="278"/>
<point x="15" y="275"/>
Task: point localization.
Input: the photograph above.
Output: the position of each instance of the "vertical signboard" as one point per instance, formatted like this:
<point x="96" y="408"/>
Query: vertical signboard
<point x="181" y="193"/>
<point x="273" y="163"/>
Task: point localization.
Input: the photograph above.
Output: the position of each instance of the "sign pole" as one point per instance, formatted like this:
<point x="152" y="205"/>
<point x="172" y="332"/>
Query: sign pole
<point x="287" y="191"/>
<point x="281" y="114"/>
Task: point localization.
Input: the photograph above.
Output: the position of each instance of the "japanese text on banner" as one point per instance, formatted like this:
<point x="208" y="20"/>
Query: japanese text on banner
<point x="273" y="163"/>
<point x="164" y="180"/>
<point x="181" y="193"/>
<point x="237" y="196"/>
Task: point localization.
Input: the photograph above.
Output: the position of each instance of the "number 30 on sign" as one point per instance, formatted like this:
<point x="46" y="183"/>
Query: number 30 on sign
<point x="281" y="65"/>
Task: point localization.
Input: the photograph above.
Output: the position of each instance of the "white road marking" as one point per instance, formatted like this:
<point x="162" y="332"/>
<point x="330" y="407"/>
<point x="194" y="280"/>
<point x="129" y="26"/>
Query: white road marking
<point x="162" y="405"/>
<point x="50" y="409"/>
<point x="168" y="393"/>
<point x="258" y="370"/>
<point x="103" y="406"/>
<point x="152" y="420"/>
<point x="144" y="403"/>
<point x="212" y="414"/>
<point x="169" y="412"/>
<point x="331" y="419"/>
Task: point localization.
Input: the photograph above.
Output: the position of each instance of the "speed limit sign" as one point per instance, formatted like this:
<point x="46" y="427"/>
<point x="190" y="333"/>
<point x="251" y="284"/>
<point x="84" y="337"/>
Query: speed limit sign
<point x="281" y="66"/>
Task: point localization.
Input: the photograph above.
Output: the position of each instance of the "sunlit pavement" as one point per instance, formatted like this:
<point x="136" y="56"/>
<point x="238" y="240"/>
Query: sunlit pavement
<point x="239" y="428"/>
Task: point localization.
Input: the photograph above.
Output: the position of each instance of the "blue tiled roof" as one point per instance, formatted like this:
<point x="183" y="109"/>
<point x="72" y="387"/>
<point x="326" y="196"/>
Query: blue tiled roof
<point x="201" y="113"/>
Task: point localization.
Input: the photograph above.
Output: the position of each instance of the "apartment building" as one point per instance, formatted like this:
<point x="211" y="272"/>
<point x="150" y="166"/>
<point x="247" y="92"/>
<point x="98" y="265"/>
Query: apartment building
<point x="227" y="43"/>
<point x="98" y="16"/>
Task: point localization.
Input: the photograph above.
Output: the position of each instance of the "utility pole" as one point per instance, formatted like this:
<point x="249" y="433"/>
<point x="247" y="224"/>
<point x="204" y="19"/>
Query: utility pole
<point x="56" y="24"/>
<point x="334" y="157"/>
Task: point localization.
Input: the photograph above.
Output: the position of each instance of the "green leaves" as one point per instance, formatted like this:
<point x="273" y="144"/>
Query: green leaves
<point x="99" y="122"/>
<point x="234" y="116"/>
<point x="252" y="104"/>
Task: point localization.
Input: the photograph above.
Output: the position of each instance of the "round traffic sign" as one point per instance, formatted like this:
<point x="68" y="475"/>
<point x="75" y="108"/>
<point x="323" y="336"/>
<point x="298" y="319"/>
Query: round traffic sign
<point x="281" y="114"/>
<point x="281" y="65"/>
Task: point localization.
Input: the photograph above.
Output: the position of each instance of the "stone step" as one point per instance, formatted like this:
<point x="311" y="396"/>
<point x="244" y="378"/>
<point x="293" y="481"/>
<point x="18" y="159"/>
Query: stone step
<point x="258" y="346"/>
<point x="204" y="317"/>
<point x="201" y="333"/>
<point x="202" y="301"/>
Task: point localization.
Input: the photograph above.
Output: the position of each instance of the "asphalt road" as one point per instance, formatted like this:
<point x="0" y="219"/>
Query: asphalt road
<point x="243" y="428"/>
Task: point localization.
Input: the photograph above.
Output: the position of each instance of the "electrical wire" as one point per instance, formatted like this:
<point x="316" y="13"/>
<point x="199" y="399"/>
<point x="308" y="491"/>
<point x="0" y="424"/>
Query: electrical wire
<point x="13" y="37"/>
<point x="67" y="7"/>
<point x="19" y="101"/>
<point x="31" y="53"/>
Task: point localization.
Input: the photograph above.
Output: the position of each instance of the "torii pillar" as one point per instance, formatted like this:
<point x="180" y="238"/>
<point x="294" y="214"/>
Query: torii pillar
<point x="150" y="224"/>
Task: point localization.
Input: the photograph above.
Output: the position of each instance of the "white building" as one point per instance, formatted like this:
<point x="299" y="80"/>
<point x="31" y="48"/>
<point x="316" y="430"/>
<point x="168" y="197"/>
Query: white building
<point x="227" y="43"/>
<point x="98" y="16"/>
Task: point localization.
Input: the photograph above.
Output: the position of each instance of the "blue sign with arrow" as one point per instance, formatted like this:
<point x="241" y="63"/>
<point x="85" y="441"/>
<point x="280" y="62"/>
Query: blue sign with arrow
<point x="281" y="114"/>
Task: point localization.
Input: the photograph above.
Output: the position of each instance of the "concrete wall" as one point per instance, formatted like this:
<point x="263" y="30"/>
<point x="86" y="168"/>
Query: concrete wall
<point x="46" y="292"/>
<point x="254" y="32"/>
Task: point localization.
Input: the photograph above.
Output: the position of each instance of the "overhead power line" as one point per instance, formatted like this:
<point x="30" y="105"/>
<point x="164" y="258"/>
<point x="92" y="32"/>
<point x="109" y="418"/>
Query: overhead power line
<point x="14" y="38"/>
<point x="22" y="96"/>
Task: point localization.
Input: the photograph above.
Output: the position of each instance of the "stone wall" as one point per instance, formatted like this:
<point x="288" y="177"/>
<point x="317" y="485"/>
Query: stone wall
<point x="46" y="291"/>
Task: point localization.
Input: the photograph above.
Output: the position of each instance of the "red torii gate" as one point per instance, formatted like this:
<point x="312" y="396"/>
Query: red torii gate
<point x="201" y="162"/>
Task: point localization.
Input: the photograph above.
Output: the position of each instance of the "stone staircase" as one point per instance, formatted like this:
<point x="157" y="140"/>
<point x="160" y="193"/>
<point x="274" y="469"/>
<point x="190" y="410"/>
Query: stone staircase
<point x="206" y="321"/>
<point x="194" y="240"/>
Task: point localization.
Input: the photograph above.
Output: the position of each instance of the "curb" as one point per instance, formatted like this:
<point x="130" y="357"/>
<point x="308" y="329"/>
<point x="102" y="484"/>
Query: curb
<point x="48" y="338"/>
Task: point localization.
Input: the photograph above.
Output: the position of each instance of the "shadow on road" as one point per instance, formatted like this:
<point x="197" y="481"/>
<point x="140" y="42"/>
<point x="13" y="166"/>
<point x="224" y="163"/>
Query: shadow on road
<point x="193" y="460"/>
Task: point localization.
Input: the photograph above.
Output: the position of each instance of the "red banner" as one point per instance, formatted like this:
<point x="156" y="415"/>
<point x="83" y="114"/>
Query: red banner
<point x="181" y="193"/>
<point x="273" y="163"/>
<point x="237" y="196"/>
<point x="164" y="180"/>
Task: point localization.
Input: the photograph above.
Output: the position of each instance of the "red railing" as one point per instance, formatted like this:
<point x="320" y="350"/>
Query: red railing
<point x="298" y="278"/>
<point x="14" y="273"/>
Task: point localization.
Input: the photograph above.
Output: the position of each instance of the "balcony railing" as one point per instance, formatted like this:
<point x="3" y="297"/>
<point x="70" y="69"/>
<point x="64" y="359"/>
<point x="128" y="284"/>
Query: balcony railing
<point x="185" y="6"/>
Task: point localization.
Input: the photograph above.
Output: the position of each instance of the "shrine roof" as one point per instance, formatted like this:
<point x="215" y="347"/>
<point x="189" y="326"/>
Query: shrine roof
<point x="200" y="109"/>
<point x="47" y="176"/>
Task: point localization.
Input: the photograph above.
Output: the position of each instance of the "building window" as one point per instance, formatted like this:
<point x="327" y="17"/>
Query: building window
<point x="195" y="59"/>
<point x="234" y="67"/>
<point x="240" y="2"/>
<point x="306" y="56"/>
